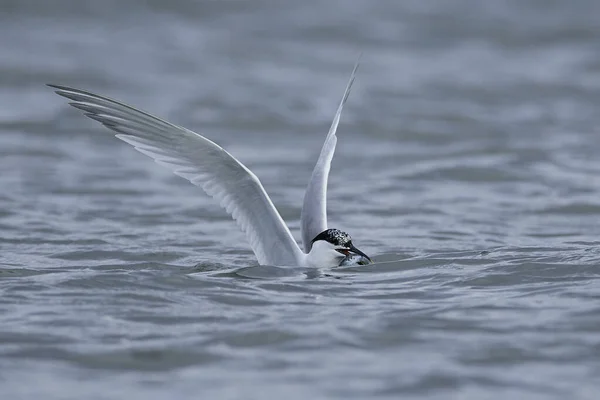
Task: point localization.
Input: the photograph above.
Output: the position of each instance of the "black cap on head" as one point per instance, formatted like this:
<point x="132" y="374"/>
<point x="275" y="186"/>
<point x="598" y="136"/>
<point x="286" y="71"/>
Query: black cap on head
<point x="335" y="237"/>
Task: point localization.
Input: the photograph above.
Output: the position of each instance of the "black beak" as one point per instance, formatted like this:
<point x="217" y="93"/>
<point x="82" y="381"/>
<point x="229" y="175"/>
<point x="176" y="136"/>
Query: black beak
<point x="357" y="251"/>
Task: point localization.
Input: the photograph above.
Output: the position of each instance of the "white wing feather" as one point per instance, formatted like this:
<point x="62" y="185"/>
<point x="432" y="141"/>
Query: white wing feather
<point x="314" y="209"/>
<point x="203" y="163"/>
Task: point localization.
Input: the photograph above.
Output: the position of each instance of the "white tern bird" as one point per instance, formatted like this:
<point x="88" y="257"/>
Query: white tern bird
<point x="232" y="184"/>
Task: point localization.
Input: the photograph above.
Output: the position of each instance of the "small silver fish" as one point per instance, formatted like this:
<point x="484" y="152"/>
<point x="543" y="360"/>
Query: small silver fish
<point x="354" y="259"/>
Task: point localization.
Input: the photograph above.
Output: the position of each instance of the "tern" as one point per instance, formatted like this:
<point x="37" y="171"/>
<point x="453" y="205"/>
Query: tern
<point x="232" y="184"/>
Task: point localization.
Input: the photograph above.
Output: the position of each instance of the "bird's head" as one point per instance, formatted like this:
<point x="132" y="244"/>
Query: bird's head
<point x="333" y="247"/>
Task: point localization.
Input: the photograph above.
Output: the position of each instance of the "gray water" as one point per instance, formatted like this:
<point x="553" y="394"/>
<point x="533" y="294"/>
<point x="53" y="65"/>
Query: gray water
<point x="467" y="166"/>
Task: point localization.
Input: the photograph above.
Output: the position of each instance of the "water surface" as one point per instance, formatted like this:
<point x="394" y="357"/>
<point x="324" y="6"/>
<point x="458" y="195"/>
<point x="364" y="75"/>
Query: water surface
<point x="467" y="166"/>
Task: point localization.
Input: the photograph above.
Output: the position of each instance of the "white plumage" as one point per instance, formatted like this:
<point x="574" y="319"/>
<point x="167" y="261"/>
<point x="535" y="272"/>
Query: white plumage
<point x="221" y="176"/>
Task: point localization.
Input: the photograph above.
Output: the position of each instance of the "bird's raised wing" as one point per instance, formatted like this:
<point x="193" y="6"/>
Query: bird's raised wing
<point x="203" y="163"/>
<point x="314" y="209"/>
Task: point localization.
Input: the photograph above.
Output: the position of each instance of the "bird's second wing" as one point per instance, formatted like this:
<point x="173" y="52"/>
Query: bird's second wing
<point x="203" y="163"/>
<point x="314" y="207"/>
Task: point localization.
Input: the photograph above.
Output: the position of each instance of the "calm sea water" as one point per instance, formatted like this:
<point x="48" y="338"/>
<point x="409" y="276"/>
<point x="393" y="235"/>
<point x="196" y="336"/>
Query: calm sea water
<point x="467" y="166"/>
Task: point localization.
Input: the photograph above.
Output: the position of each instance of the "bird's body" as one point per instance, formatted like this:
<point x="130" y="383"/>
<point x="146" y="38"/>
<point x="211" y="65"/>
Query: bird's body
<point x="231" y="183"/>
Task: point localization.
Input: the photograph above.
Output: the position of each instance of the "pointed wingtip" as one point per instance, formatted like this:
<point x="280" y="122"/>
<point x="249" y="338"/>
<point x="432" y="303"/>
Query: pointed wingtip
<point x="351" y="81"/>
<point x="357" y="63"/>
<point x="358" y="60"/>
<point x="58" y="89"/>
<point x="62" y="88"/>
